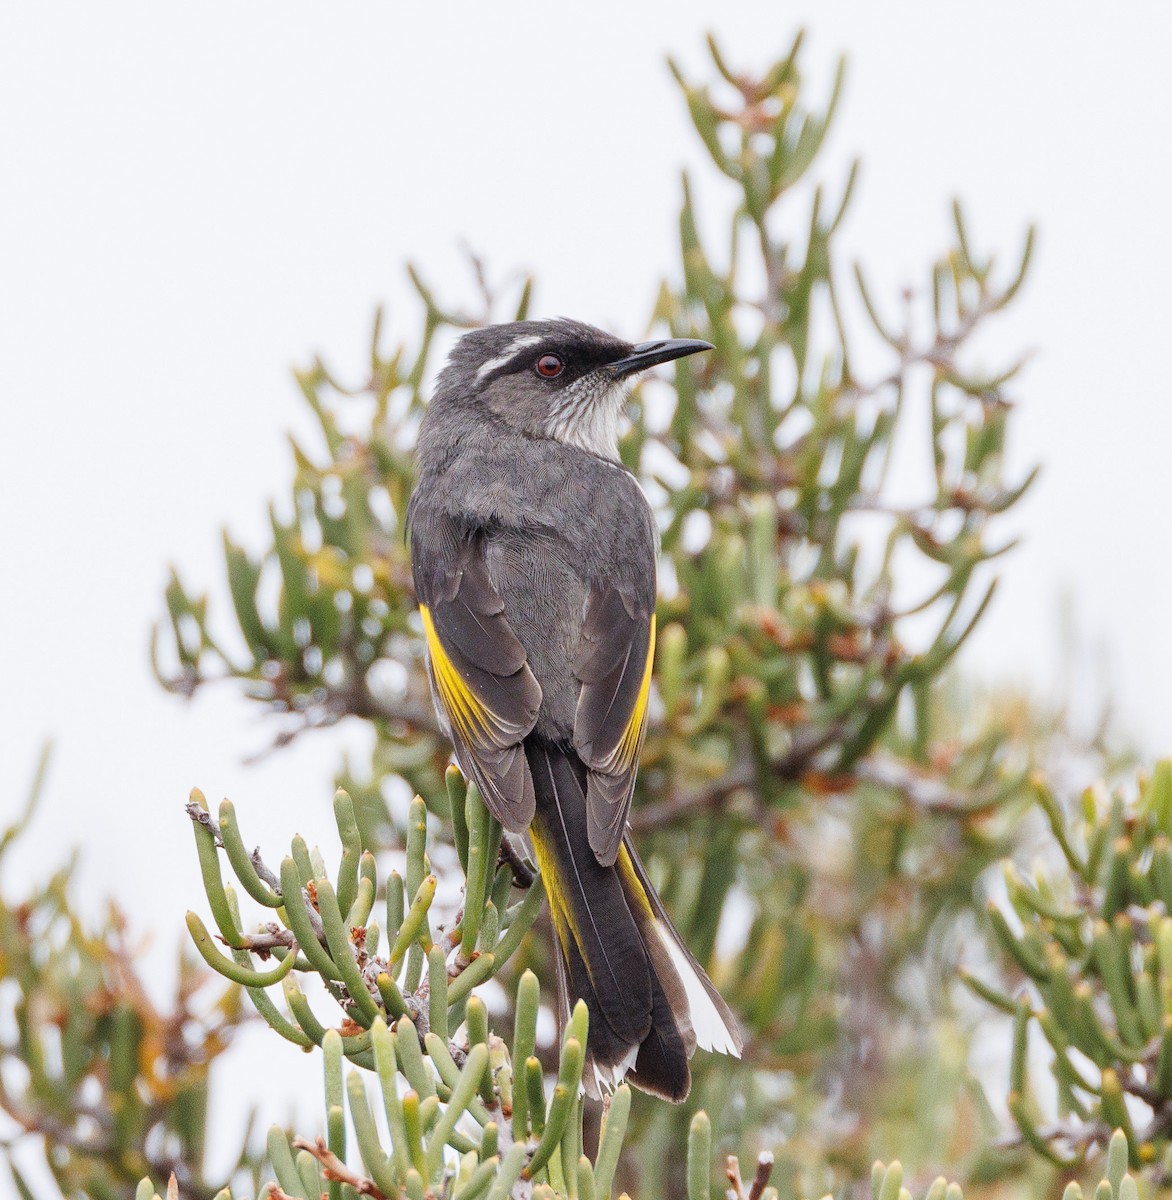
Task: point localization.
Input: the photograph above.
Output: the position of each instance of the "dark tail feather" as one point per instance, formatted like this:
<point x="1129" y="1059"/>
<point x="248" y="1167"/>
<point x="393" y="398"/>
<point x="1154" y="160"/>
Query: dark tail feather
<point x="704" y="1018"/>
<point x="617" y="949"/>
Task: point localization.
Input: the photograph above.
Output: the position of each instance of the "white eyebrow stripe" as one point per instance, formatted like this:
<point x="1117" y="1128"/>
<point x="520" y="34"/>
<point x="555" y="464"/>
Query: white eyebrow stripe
<point x="515" y="348"/>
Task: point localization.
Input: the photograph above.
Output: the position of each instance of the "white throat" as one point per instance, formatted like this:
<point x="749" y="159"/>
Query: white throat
<point x="587" y="416"/>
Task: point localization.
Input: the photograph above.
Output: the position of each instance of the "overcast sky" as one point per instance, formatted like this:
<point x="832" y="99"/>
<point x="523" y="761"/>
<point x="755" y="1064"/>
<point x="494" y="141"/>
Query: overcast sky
<point x="194" y="201"/>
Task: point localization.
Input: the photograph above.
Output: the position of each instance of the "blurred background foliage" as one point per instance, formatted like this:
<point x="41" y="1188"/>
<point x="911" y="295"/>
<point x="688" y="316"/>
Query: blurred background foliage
<point x="114" y="1086"/>
<point x="841" y="825"/>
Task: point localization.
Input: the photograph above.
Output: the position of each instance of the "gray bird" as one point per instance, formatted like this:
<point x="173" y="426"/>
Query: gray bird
<point x="534" y="555"/>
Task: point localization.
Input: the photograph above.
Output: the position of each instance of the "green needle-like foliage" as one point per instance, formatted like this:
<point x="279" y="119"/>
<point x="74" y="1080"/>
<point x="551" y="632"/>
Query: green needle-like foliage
<point x="112" y="1085"/>
<point x="887" y="1181"/>
<point x="1088" y="936"/>
<point x="312" y="935"/>
<point x="803" y="742"/>
<point x="453" y="1127"/>
<point x="820" y="804"/>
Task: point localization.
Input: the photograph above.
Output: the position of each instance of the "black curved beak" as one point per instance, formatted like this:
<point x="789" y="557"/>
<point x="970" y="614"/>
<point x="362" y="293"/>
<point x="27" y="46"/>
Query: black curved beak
<point x="651" y="354"/>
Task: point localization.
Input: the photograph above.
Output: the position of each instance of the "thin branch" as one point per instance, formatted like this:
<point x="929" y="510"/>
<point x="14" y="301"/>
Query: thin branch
<point x="523" y="875"/>
<point x="652" y="816"/>
<point x="354" y="700"/>
<point x="761" y="1178"/>
<point x="334" y="1168"/>
<point x="265" y="873"/>
<point x="923" y="791"/>
<point x="807" y="745"/>
<point x="1079" y="1137"/>
<point x="265" y="943"/>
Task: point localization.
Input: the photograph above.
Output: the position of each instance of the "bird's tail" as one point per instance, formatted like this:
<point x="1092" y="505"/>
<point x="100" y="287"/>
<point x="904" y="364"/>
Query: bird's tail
<point x="650" y="1002"/>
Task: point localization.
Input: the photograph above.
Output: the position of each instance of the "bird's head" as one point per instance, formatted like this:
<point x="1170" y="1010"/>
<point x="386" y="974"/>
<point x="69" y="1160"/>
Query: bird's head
<point x="556" y="379"/>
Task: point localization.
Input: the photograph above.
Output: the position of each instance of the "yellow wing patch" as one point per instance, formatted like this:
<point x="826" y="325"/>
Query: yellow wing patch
<point x="559" y="903"/>
<point x="465" y="710"/>
<point x="626" y="752"/>
<point x="632" y="884"/>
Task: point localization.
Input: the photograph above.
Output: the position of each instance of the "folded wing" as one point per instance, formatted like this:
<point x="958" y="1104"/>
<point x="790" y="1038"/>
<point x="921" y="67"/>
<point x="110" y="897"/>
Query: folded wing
<point x="482" y="683"/>
<point x="613" y="665"/>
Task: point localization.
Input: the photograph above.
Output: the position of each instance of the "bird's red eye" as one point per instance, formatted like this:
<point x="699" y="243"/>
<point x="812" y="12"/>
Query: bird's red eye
<point x="549" y="366"/>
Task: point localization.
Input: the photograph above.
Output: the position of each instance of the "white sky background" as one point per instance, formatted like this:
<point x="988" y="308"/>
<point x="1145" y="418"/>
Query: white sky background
<point x="190" y="204"/>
